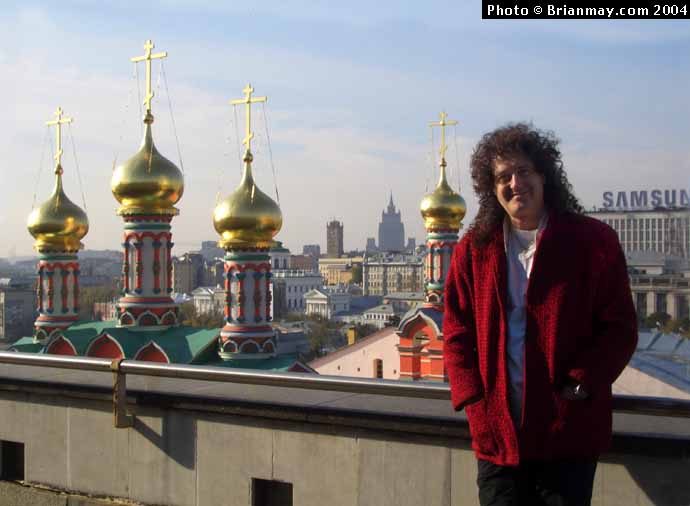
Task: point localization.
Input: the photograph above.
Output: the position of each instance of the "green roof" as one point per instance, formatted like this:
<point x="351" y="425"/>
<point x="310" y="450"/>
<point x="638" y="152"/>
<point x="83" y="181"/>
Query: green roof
<point x="281" y="363"/>
<point x="26" y="345"/>
<point x="182" y="344"/>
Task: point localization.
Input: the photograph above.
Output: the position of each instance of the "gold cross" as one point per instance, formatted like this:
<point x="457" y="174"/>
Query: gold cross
<point x="147" y="58"/>
<point x="58" y="122"/>
<point x="443" y="124"/>
<point x="248" y="100"/>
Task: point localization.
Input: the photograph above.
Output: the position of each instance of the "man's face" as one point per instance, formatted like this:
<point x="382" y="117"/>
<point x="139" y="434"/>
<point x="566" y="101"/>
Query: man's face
<point x="519" y="189"/>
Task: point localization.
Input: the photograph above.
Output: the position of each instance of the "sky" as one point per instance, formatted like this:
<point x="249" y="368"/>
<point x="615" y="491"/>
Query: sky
<point x="351" y="89"/>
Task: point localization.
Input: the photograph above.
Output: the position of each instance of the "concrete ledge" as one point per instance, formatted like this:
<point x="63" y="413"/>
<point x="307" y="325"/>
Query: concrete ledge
<point x="19" y="494"/>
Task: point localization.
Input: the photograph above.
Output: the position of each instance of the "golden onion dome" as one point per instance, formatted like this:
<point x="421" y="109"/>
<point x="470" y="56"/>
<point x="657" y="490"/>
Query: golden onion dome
<point x="443" y="209"/>
<point x="58" y="224"/>
<point x="147" y="183"/>
<point x="248" y="218"/>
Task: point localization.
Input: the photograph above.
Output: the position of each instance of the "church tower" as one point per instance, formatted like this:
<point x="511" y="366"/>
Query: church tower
<point x="247" y="221"/>
<point x="58" y="225"/>
<point x="443" y="211"/>
<point x="420" y="331"/>
<point x="147" y="186"/>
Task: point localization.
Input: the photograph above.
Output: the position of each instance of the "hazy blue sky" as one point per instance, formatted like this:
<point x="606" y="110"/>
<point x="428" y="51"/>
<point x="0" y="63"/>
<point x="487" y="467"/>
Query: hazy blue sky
<point x="351" y="89"/>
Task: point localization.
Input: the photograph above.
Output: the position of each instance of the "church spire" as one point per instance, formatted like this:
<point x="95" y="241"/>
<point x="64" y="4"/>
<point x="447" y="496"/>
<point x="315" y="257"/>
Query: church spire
<point x="58" y="225"/>
<point x="247" y="221"/>
<point x="147" y="186"/>
<point x="443" y="211"/>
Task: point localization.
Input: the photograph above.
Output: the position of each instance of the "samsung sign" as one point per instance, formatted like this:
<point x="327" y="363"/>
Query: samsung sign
<point x="647" y="199"/>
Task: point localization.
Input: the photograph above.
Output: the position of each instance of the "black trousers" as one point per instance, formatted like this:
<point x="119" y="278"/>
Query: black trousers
<point x="537" y="483"/>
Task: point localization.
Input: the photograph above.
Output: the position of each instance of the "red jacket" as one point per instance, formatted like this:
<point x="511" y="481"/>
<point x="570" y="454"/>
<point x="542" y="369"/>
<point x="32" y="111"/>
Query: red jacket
<point x="581" y="325"/>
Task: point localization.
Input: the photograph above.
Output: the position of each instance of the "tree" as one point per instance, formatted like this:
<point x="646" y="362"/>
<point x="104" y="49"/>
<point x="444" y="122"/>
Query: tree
<point x="357" y="274"/>
<point x="90" y="294"/>
<point x="680" y="326"/>
<point x="319" y="336"/>
<point x="394" y="321"/>
<point x="656" y="320"/>
<point x="364" y="329"/>
<point x="190" y="317"/>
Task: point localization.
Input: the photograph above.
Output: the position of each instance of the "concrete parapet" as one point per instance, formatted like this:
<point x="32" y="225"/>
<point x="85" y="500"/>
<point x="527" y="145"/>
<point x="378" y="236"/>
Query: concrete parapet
<point x="197" y="443"/>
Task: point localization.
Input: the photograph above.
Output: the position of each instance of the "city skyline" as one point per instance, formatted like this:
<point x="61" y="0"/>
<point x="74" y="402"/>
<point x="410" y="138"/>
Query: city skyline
<point x="350" y="97"/>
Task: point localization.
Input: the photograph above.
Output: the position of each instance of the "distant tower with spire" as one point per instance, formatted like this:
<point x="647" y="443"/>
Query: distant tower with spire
<point x="247" y="221"/>
<point x="420" y="330"/>
<point x="391" y="229"/>
<point x="58" y="225"/>
<point x="147" y="186"/>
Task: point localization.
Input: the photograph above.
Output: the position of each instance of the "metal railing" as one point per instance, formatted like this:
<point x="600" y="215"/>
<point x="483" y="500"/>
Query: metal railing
<point x="654" y="406"/>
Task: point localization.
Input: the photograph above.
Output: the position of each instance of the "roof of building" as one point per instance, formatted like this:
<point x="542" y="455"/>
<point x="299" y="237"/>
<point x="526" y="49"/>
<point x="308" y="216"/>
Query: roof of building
<point x="381" y="309"/>
<point x="665" y="357"/>
<point x="624" y="211"/>
<point x="206" y="290"/>
<point x="393" y="258"/>
<point x="182" y="344"/>
<point x="351" y="348"/>
<point x="360" y="304"/>
<point x="431" y="315"/>
<point x="405" y="296"/>
<point x="280" y="363"/>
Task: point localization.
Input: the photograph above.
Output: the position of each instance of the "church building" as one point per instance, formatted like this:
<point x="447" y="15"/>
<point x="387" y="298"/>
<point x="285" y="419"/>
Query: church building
<point x="148" y="186"/>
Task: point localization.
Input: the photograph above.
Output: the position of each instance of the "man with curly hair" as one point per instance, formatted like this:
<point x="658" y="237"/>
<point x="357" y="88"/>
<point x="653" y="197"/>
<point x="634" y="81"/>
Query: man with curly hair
<point x="538" y="323"/>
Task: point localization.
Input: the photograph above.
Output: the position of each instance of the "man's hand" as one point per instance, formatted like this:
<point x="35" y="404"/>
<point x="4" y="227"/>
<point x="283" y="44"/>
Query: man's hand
<point x="574" y="392"/>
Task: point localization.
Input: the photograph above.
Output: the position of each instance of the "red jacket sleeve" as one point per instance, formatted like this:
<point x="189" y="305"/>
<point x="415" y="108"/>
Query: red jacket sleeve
<point x="615" y="322"/>
<point x="460" y="338"/>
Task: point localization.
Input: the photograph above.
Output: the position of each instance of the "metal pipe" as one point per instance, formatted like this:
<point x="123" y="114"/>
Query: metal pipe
<point x="655" y="406"/>
<point x="290" y="380"/>
<point x="58" y="361"/>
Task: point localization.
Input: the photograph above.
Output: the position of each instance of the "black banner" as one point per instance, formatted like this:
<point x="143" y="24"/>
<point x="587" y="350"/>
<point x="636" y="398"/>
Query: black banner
<point x="585" y="9"/>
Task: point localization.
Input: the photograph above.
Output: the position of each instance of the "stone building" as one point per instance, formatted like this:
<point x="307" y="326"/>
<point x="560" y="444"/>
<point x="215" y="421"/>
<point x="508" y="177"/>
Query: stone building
<point x="663" y="230"/>
<point x="208" y="300"/>
<point x="387" y="273"/>
<point x="338" y="271"/>
<point x="334" y="239"/>
<point x="189" y="272"/>
<point x="304" y="263"/>
<point x="659" y="284"/>
<point x="328" y="301"/>
<point x="391" y="229"/>
<point x="312" y="249"/>
<point x="17" y="312"/>
<point x="289" y="289"/>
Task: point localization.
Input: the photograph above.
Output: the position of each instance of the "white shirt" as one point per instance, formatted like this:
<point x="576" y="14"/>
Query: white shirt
<point x="521" y="246"/>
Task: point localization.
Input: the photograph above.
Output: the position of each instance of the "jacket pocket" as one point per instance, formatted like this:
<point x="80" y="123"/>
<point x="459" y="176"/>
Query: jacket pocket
<point x="483" y="440"/>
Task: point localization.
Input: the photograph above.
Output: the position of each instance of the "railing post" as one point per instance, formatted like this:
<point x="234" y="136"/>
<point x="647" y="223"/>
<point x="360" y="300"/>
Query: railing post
<point x="121" y="418"/>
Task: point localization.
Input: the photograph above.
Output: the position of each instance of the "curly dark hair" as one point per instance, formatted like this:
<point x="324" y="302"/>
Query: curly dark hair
<point x="510" y="140"/>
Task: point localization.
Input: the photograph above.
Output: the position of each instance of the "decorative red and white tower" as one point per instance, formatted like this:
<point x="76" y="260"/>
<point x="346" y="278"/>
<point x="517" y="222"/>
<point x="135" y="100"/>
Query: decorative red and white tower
<point x="421" y="338"/>
<point x="58" y="226"/>
<point x="247" y="221"/>
<point x="147" y="186"/>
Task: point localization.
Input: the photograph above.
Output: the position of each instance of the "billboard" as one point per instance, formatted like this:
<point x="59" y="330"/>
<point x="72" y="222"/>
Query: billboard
<point x="646" y="199"/>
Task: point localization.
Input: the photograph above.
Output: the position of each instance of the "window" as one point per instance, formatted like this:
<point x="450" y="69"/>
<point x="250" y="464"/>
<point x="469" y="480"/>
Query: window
<point x="271" y="493"/>
<point x="378" y="368"/>
<point x="11" y="460"/>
